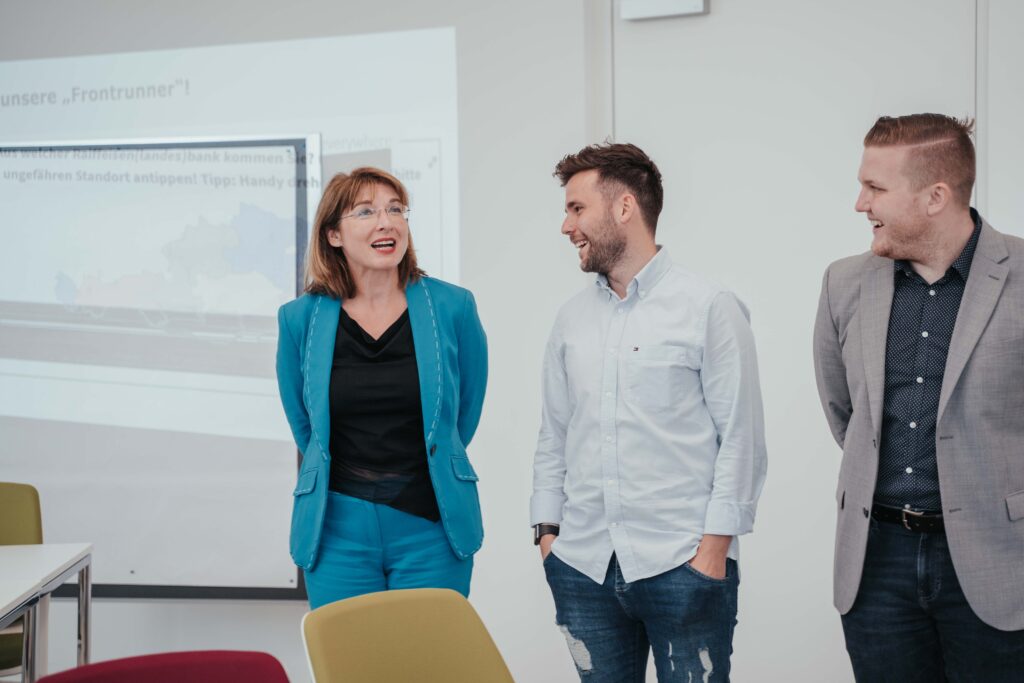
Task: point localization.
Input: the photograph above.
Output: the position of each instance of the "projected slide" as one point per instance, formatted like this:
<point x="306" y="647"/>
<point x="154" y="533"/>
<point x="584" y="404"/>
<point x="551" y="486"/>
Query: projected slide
<point x="163" y="259"/>
<point x="137" y="296"/>
<point x="156" y="209"/>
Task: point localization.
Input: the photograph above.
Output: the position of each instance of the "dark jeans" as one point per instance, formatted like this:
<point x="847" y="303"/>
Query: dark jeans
<point x="912" y="624"/>
<point x="686" y="617"/>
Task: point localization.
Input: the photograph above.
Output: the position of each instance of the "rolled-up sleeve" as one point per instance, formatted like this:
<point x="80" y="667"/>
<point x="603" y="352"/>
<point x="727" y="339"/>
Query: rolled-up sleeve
<point x="549" y="459"/>
<point x="732" y="391"/>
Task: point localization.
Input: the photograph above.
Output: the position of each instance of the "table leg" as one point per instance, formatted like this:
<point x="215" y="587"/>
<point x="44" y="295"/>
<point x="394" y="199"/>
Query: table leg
<point x="84" y="613"/>
<point x="43" y="636"/>
<point x="30" y="628"/>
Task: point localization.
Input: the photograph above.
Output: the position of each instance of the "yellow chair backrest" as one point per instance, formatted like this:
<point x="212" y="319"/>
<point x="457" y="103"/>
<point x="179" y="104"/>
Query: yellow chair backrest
<point x="20" y="524"/>
<point x="20" y="520"/>
<point x="422" y="635"/>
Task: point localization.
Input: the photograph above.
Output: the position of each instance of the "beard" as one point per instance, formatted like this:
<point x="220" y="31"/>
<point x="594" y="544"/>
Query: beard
<point x="605" y="249"/>
<point x="907" y="242"/>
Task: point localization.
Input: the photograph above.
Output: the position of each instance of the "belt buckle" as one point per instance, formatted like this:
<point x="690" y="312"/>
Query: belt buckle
<point x="903" y="517"/>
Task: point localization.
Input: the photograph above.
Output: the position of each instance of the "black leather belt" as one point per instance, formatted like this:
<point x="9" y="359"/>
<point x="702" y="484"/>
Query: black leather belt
<point x="922" y="522"/>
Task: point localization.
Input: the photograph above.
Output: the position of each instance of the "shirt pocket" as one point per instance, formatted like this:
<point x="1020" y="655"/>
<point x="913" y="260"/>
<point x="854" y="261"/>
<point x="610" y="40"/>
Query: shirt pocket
<point x="661" y="378"/>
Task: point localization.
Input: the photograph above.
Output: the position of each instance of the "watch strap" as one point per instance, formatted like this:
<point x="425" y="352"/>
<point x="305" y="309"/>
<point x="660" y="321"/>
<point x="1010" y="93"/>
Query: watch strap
<point x="544" y="529"/>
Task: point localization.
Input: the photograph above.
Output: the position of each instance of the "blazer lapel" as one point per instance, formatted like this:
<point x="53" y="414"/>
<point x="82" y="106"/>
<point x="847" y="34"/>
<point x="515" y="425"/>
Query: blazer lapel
<point x="875" y="304"/>
<point x="984" y="285"/>
<point x="323" y="329"/>
<point x="422" y="318"/>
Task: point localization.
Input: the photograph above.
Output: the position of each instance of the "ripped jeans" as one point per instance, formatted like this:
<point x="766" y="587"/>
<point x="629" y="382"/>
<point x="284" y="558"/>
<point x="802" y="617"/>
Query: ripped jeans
<point x="685" y="617"/>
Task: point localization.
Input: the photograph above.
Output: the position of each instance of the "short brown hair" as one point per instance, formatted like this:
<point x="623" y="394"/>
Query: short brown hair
<point x="620" y="165"/>
<point x="326" y="266"/>
<point x="942" y="149"/>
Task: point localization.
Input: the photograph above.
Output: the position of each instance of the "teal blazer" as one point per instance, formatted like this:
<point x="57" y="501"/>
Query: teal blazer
<point x="451" y="357"/>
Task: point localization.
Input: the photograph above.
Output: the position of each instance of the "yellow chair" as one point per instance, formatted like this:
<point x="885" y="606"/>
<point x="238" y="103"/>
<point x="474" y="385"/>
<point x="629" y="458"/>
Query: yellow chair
<point x="422" y="635"/>
<point x="20" y="524"/>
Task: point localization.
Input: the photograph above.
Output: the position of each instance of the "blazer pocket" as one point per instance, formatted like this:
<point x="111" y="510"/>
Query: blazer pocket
<point x="1015" y="506"/>
<point x="463" y="469"/>
<point x="306" y="483"/>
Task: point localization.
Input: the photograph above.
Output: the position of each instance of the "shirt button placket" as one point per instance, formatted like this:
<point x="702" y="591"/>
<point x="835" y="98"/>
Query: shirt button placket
<point x="610" y="388"/>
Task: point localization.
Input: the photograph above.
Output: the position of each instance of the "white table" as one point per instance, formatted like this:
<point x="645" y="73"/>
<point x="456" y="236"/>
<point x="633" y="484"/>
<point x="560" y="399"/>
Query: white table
<point x="16" y="596"/>
<point x="30" y="574"/>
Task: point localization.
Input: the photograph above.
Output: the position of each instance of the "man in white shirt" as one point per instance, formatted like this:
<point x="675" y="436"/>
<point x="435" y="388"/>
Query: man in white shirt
<point x="651" y="452"/>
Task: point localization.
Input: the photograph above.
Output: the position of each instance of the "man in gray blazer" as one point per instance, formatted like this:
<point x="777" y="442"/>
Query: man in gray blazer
<point x="919" y="357"/>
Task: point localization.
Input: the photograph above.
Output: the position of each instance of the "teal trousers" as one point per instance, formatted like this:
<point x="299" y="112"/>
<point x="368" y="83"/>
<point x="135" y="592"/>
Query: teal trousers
<point x="367" y="547"/>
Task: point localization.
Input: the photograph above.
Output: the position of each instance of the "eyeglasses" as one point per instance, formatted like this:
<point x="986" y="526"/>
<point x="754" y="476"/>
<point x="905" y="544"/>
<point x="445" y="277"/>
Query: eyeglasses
<point x="367" y="214"/>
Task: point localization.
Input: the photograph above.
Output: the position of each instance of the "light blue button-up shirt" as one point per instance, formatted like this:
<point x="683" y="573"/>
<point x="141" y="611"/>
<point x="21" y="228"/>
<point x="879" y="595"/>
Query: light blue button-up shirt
<point x="652" y="429"/>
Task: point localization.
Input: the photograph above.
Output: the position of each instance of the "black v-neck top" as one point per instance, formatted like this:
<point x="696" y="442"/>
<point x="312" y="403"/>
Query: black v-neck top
<point x="377" y="448"/>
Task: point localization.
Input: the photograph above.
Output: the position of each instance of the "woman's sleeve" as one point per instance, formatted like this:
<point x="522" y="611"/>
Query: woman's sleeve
<point x="472" y="370"/>
<point x="289" y="382"/>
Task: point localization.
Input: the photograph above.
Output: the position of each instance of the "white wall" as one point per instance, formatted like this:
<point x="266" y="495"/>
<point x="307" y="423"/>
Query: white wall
<point x="1000" y="112"/>
<point x="755" y="114"/>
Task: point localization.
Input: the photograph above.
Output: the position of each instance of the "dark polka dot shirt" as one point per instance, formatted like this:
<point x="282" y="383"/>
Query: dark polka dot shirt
<point x="920" y="329"/>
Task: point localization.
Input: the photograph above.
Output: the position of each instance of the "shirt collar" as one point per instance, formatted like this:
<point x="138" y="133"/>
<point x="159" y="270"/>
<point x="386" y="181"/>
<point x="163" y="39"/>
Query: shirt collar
<point x="644" y="281"/>
<point x="962" y="264"/>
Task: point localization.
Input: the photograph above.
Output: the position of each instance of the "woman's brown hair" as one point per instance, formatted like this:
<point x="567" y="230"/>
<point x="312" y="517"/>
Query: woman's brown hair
<point x="327" y="269"/>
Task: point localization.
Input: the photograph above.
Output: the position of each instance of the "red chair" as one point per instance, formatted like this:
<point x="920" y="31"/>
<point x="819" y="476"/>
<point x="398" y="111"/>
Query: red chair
<point x="210" y="666"/>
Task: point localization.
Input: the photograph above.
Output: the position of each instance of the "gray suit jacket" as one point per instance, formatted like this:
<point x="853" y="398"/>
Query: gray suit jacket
<point x="979" y="442"/>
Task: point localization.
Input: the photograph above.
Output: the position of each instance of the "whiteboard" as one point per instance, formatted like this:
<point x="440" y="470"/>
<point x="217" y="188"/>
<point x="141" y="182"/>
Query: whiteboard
<point x="138" y="298"/>
<point x="168" y="448"/>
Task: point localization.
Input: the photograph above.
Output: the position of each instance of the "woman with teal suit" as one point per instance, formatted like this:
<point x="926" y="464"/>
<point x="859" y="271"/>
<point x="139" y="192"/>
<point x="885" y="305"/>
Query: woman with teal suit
<point x="382" y="372"/>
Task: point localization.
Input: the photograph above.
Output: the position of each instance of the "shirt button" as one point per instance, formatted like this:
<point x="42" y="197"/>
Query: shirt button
<point x="924" y="334"/>
<point x="610" y="482"/>
<point x="920" y="380"/>
<point x="608" y="394"/>
<point x="931" y="292"/>
<point x="608" y="439"/>
<point x="913" y="425"/>
<point x="910" y="470"/>
<point x="614" y="524"/>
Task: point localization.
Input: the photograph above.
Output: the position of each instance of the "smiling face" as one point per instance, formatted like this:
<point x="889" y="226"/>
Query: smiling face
<point x="898" y="212"/>
<point x="590" y="226"/>
<point x="373" y="233"/>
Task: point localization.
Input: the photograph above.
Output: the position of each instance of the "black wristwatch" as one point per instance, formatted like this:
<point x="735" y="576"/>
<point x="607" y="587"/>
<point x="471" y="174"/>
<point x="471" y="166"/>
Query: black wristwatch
<point x="543" y="530"/>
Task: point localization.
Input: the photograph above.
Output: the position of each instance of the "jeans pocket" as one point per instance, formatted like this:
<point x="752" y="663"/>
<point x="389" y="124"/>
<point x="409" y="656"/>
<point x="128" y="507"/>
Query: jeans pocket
<point x="550" y="559"/>
<point x="710" y="579"/>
